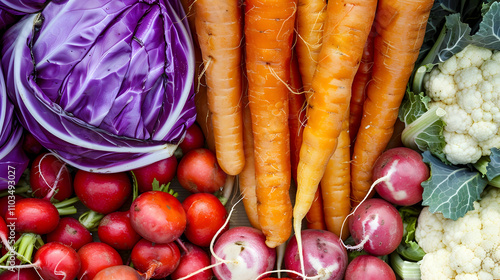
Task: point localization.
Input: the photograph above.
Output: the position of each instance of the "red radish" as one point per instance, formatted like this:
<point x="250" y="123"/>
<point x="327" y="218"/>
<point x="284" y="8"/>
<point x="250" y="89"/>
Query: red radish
<point x="158" y="216"/>
<point x="20" y="274"/>
<point x="400" y="172"/>
<point x="116" y="230"/>
<point x="56" y="261"/>
<point x="241" y="253"/>
<point x="155" y="260"/>
<point x="198" y="171"/>
<point x="50" y="178"/>
<point x="69" y="231"/>
<point x="205" y="215"/>
<point x="34" y="215"/>
<point x="194" y="139"/>
<point x="324" y="255"/>
<point x="119" y="272"/>
<point x="163" y="171"/>
<point x="96" y="256"/>
<point x="376" y="226"/>
<point x="102" y="192"/>
<point x="193" y="260"/>
<point x="368" y="267"/>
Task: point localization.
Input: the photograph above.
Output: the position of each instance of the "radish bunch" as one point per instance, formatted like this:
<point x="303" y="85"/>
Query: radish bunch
<point x="133" y="225"/>
<point x="130" y="224"/>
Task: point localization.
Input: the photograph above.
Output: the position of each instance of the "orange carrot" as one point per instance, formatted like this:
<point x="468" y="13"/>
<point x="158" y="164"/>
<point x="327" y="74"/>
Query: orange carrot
<point x="336" y="186"/>
<point x="344" y="38"/>
<point x="363" y="76"/>
<point x="204" y="117"/>
<point x="315" y="218"/>
<point x="311" y="16"/>
<point x="219" y="29"/>
<point x="269" y="28"/>
<point x="394" y="59"/>
<point x="297" y="114"/>
<point x="247" y="182"/>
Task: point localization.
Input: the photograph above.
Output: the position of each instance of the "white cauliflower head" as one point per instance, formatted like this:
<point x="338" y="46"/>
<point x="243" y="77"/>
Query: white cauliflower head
<point x="468" y="248"/>
<point x="467" y="87"/>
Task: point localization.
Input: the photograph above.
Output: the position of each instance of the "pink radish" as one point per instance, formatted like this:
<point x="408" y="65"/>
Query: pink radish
<point x="155" y="260"/>
<point x="158" y="216"/>
<point x="69" y="231"/>
<point x="376" y="226"/>
<point x="241" y="253"/>
<point x="368" y="267"/>
<point x="323" y="254"/>
<point x="400" y="172"/>
<point x="96" y="256"/>
<point x="119" y="272"/>
<point x="116" y="230"/>
<point x="193" y="261"/>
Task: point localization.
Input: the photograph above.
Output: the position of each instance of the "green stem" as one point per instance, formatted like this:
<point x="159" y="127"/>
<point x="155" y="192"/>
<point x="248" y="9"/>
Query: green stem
<point x="18" y="190"/>
<point x="135" y="186"/>
<point x="66" y="208"/>
<point x="431" y="55"/>
<point x="91" y="219"/>
<point x="26" y="245"/>
<point x="67" y="202"/>
<point x="418" y="79"/>
<point x="411" y="131"/>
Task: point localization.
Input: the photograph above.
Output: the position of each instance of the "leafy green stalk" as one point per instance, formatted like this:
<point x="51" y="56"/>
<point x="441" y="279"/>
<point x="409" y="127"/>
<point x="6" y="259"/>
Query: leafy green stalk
<point x="409" y="249"/>
<point x="413" y="131"/>
<point x="406" y="270"/>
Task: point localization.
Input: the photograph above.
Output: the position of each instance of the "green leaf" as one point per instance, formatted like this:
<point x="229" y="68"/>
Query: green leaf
<point x="488" y="35"/>
<point x="451" y="189"/>
<point x="493" y="167"/>
<point x="413" y="106"/>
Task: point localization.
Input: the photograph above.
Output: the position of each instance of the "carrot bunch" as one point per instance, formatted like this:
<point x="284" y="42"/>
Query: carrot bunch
<point x="304" y="91"/>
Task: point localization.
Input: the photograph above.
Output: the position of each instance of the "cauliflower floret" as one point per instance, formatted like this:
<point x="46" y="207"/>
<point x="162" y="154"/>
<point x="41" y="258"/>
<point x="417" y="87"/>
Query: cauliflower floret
<point x="461" y="148"/>
<point x="490" y="68"/>
<point x="441" y="87"/>
<point x="467" y="77"/>
<point x="429" y="235"/>
<point x="469" y="99"/>
<point x="483" y="130"/>
<point x="486" y="146"/>
<point x="456" y="119"/>
<point x="466" y="276"/>
<point x="463" y="260"/>
<point x="435" y="266"/>
<point x="469" y="246"/>
<point x="472" y="56"/>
